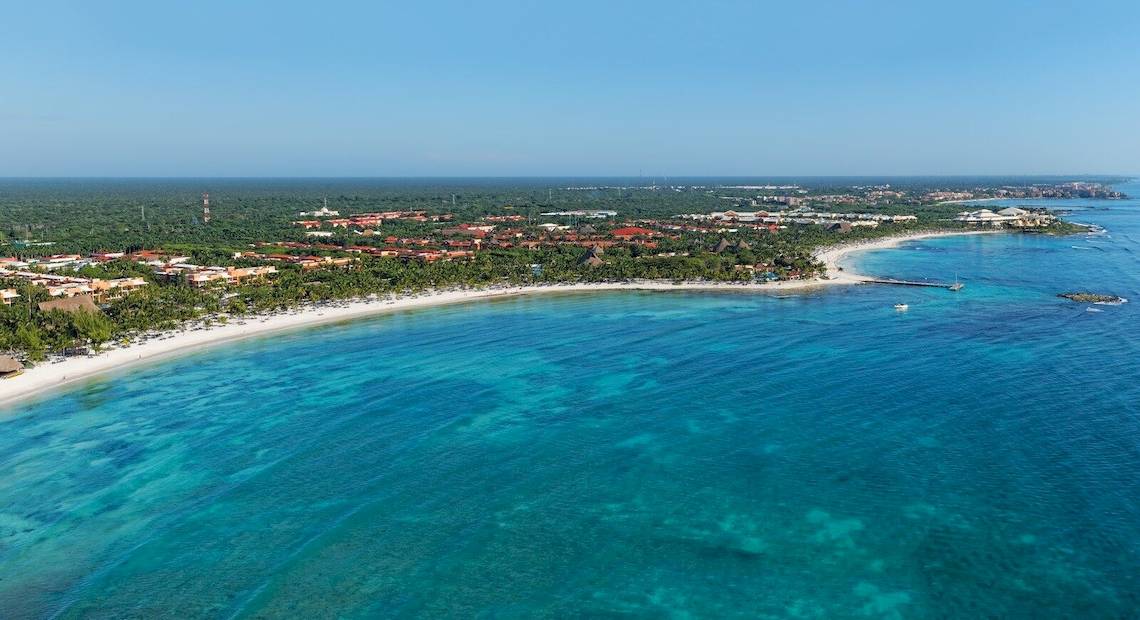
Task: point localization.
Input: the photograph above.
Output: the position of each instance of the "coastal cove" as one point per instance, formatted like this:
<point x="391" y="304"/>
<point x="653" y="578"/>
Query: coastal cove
<point x="76" y="369"/>
<point x="807" y="451"/>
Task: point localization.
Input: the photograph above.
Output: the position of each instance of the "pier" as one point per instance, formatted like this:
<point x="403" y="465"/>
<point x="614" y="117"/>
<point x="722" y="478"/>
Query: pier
<point x="909" y="283"/>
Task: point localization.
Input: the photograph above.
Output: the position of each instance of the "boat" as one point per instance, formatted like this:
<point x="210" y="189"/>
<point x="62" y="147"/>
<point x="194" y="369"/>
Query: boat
<point x="902" y="307"/>
<point x="957" y="286"/>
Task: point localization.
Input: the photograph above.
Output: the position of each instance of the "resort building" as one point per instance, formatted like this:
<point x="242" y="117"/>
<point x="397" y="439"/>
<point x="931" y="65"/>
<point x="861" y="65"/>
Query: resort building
<point x="8" y="295"/>
<point x="70" y="286"/>
<point x="49" y="263"/>
<point x="11" y="262"/>
<point x="592" y="214"/>
<point x="947" y="196"/>
<point x="201" y="277"/>
<point x="322" y="212"/>
<point x="631" y="232"/>
<point x="198" y="276"/>
<point x="156" y="259"/>
<point x="245" y="275"/>
<point x="370" y="220"/>
<point x="69" y="289"/>
<point x="801" y="216"/>
<point x="106" y="257"/>
<point x="317" y="262"/>
<point x="57" y="261"/>
<point x="207" y="276"/>
<point x="1011" y="217"/>
<point x="106" y="291"/>
<point x="471" y="230"/>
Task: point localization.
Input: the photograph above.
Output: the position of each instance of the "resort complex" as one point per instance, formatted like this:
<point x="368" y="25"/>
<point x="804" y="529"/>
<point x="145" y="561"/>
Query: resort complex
<point x="1010" y="217"/>
<point x="233" y="254"/>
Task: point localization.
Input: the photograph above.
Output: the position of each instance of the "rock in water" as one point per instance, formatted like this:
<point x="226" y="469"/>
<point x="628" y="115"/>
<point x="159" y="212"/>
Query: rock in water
<point x="1093" y="298"/>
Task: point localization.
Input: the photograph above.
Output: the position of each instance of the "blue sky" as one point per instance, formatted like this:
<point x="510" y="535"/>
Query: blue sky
<point x="431" y="88"/>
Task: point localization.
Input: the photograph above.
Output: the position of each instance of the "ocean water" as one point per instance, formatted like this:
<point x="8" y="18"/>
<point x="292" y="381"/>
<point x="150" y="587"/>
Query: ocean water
<point x="816" y="455"/>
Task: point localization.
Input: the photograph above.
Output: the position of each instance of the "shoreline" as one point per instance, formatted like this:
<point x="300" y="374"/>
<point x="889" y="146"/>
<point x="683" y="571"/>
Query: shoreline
<point x="831" y="256"/>
<point x="46" y="377"/>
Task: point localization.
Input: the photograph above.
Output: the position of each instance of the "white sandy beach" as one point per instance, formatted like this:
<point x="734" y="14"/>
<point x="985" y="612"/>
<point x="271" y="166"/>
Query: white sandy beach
<point x="47" y="376"/>
<point x="832" y="256"/>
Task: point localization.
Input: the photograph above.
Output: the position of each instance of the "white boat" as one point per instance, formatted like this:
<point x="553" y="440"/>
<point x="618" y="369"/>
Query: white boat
<point x="902" y="307"/>
<point x="956" y="286"/>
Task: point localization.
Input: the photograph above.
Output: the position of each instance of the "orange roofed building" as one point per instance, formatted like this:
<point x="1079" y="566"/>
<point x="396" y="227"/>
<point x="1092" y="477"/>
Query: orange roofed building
<point x="630" y="232"/>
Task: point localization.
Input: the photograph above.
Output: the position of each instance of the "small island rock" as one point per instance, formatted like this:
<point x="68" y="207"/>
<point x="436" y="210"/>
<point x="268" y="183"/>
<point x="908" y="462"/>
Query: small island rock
<point x="1093" y="298"/>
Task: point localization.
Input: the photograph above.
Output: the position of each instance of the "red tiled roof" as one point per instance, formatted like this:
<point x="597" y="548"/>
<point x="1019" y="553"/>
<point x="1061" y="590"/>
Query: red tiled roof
<point x="632" y="231"/>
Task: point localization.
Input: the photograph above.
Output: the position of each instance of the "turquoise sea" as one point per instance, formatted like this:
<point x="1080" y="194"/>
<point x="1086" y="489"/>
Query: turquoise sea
<point x="817" y="455"/>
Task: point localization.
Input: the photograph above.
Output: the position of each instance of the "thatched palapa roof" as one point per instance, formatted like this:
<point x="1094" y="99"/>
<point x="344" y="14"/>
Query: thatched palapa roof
<point x="592" y="258"/>
<point x="9" y="364"/>
<point x="78" y="303"/>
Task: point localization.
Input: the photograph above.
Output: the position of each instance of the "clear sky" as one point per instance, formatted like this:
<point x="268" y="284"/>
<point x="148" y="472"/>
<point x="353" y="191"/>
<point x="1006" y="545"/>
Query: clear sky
<point x="429" y="88"/>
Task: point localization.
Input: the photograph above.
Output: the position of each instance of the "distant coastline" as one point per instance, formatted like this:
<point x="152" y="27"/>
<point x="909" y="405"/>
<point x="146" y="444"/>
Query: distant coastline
<point x="50" y="376"/>
<point x="981" y="201"/>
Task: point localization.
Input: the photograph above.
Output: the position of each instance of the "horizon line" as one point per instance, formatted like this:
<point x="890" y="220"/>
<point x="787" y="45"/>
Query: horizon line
<point x="576" y="176"/>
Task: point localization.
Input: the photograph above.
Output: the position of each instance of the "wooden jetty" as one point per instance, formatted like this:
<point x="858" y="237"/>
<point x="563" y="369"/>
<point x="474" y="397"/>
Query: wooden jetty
<point x="909" y="283"/>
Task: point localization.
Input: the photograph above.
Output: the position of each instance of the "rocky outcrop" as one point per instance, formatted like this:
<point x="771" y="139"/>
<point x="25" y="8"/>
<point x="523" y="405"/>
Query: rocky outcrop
<point x="1093" y="298"/>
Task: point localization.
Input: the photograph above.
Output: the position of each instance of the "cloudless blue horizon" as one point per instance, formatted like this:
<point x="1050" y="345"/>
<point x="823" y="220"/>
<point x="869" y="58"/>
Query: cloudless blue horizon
<point x="515" y="89"/>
